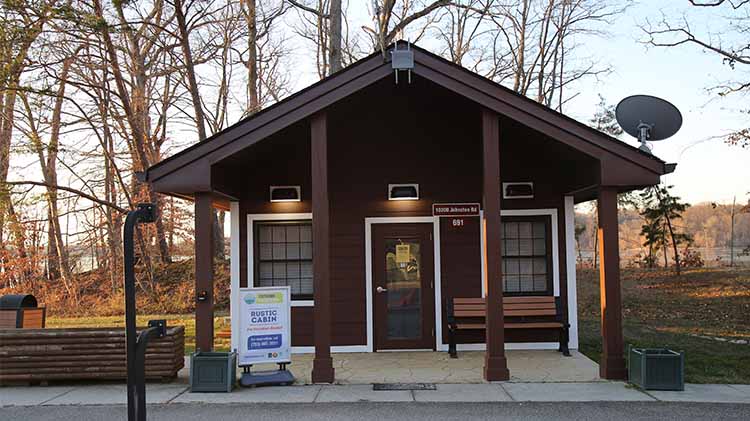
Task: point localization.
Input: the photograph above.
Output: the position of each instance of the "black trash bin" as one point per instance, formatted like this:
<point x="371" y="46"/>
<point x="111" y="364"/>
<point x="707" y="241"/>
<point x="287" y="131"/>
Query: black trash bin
<point x="19" y="311"/>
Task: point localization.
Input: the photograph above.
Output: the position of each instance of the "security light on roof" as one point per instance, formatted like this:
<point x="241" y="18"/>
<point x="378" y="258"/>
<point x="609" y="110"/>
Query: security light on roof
<point x="648" y="118"/>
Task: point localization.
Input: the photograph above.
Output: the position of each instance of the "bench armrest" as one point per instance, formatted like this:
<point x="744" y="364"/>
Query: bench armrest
<point x="449" y="318"/>
<point x="558" y="308"/>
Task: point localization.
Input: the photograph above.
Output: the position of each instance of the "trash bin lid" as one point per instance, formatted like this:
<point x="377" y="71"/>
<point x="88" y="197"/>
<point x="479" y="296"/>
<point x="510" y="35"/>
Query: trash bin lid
<point x="17" y="301"/>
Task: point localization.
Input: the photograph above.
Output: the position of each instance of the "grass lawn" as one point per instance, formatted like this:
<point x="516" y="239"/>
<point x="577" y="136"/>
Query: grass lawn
<point x="659" y="310"/>
<point x="187" y="320"/>
<point x="663" y="310"/>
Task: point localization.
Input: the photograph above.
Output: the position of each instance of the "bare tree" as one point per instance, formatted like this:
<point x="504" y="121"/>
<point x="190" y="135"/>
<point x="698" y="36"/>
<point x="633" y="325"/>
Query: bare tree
<point x="145" y="149"/>
<point x="325" y="24"/>
<point x="730" y="43"/>
<point x="47" y="152"/>
<point x="535" y="39"/>
<point x="21" y="25"/>
<point x="462" y="29"/>
<point x="392" y="18"/>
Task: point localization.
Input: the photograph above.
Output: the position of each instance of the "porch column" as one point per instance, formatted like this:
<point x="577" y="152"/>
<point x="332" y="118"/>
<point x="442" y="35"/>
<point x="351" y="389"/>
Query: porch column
<point x="495" y="365"/>
<point x="612" y="364"/>
<point x="322" y="364"/>
<point x="204" y="272"/>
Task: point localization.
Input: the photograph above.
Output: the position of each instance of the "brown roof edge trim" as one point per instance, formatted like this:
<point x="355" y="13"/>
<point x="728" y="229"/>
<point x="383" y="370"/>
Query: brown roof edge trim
<point x="669" y="168"/>
<point x="532" y="109"/>
<point x="248" y="124"/>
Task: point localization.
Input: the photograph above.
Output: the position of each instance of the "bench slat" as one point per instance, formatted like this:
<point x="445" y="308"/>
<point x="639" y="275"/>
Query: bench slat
<point x="528" y="299"/>
<point x="540" y="325"/>
<point x="469" y="313"/>
<point x="511" y="313"/>
<point x="470" y="307"/>
<point x="528" y="306"/>
<point x="467" y="326"/>
<point x="505" y="306"/>
<point x="507" y="300"/>
<point x="468" y="300"/>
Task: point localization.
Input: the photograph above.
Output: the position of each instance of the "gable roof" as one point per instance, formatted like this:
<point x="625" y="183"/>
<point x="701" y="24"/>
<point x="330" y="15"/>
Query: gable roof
<point x="369" y="70"/>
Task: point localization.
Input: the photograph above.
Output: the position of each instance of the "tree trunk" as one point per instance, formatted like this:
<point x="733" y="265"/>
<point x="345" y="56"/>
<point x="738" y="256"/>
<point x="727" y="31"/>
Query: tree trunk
<point x="674" y="246"/>
<point x="6" y="133"/>
<point x="253" y="99"/>
<point x="520" y="75"/>
<point x="334" y="37"/>
<point x="190" y="69"/>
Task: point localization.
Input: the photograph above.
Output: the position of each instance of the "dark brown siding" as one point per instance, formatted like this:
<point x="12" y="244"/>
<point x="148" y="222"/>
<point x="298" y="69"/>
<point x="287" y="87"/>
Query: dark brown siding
<point x="404" y="133"/>
<point x="461" y="266"/>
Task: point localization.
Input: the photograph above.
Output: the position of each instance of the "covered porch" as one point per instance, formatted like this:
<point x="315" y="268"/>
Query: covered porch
<point x="437" y="367"/>
<point x="454" y="137"/>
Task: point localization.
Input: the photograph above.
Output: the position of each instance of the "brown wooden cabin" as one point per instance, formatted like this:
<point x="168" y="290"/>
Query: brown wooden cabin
<point x="350" y="144"/>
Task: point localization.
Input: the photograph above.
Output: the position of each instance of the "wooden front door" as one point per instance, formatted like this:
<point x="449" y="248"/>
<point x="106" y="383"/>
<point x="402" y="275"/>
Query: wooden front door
<point x="403" y="285"/>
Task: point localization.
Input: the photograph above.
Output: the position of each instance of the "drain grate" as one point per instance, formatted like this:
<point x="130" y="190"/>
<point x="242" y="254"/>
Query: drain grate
<point x="403" y="386"/>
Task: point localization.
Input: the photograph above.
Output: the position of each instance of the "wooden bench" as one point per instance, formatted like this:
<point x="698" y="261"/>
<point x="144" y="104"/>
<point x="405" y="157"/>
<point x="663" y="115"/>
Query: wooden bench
<point x="533" y="312"/>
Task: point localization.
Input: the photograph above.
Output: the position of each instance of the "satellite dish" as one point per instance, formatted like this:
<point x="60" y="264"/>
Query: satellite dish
<point x="648" y="118"/>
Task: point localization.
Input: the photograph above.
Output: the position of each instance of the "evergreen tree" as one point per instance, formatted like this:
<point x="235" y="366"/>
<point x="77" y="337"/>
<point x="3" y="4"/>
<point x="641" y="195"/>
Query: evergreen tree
<point x="605" y="119"/>
<point x="660" y="210"/>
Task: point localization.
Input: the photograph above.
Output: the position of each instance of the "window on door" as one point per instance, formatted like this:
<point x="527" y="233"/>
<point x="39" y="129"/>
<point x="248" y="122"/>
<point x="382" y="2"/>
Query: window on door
<point x="283" y="256"/>
<point x="527" y="258"/>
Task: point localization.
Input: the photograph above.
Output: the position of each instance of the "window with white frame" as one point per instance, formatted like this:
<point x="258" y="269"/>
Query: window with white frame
<point x="283" y="256"/>
<point x="527" y="260"/>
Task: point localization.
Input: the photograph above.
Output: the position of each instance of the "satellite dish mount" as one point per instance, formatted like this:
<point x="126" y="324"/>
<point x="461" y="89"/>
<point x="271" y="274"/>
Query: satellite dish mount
<point x="644" y="134"/>
<point x="648" y="119"/>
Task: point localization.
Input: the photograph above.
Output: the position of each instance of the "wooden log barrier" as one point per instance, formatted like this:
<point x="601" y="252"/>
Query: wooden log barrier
<point x="35" y="355"/>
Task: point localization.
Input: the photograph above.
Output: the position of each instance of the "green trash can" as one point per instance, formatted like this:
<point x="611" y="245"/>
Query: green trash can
<point x="656" y="369"/>
<point x="213" y="371"/>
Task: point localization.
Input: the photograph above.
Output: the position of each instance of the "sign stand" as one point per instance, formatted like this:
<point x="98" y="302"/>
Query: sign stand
<point x="265" y="335"/>
<point x="280" y="377"/>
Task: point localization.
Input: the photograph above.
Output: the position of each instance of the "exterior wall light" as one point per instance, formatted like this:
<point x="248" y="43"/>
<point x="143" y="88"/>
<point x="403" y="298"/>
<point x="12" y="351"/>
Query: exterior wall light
<point x="285" y="194"/>
<point x="520" y="190"/>
<point x="403" y="192"/>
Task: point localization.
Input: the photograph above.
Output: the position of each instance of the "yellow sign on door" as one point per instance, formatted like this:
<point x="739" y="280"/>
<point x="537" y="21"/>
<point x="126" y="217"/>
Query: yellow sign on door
<point x="402" y="253"/>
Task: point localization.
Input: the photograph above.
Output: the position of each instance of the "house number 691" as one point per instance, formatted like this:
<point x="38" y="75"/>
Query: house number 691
<point x="458" y="222"/>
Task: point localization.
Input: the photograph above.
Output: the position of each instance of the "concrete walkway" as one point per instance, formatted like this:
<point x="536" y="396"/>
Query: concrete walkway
<point x="114" y="394"/>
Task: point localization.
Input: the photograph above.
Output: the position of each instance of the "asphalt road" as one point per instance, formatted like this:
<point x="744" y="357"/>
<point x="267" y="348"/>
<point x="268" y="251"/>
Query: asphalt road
<point x="609" y="411"/>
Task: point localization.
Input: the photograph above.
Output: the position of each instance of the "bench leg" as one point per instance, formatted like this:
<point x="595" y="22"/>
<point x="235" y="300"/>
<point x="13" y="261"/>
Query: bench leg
<point x="564" y="334"/>
<point x="452" y="343"/>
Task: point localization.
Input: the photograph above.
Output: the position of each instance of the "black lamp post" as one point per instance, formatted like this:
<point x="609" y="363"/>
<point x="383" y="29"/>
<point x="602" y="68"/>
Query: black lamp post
<point x="136" y="346"/>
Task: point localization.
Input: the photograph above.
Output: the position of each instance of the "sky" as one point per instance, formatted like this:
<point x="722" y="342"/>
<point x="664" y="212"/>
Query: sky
<point x="707" y="168"/>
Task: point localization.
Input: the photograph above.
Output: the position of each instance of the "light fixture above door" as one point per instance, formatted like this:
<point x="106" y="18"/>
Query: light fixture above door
<point x="403" y="192"/>
<point x="286" y="194"/>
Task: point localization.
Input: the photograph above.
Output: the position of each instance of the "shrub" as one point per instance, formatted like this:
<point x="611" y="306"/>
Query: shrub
<point x="691" y="258"/>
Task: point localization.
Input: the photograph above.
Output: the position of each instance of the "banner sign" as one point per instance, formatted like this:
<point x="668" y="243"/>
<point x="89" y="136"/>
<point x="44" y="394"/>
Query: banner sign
<point x="265" y="325"/>
<point x="455" y="209"/>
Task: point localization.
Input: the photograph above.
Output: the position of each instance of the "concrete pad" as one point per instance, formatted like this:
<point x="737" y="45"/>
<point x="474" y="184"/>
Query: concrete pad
<point x="30" y="395"/>
<point x="720" y="393"/>
<point x="270" y="394"/>
<point x="574" y="392"/>
<point x="361" y="393"/>
<point x="115" y="394"/>
<point x="463" y="393"/>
